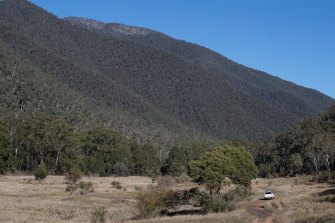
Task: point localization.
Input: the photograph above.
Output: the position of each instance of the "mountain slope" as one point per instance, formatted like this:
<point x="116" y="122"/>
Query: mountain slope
<point x="259" y="84"/>
<point x="26" y="92"/>
<point x="147" y="87"/>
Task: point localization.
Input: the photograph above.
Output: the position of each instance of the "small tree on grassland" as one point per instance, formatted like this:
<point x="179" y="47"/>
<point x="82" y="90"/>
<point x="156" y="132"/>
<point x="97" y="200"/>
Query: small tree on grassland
<point x="226" y="161"/>
<point x="41" y="172"/>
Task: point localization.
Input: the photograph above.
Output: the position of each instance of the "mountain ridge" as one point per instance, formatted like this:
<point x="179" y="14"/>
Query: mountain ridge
<point x="241" y="79"/>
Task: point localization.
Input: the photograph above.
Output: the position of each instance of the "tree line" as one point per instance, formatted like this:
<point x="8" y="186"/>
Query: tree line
<point x="99" y="151"/>
<point x="24" y="145"/>
<point x="308" y="147"/>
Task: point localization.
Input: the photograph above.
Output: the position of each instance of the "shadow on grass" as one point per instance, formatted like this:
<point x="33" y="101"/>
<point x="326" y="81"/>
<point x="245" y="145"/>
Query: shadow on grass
<point x="327" y="192"/>
<point x="330" y="195"/>
<point x="184" y="212"/>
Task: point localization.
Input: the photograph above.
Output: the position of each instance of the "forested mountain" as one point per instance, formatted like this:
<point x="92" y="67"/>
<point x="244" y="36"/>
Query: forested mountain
<point x="275" y="91"/>
<point x="141" y="82"/>
<point x="26" y="92"/>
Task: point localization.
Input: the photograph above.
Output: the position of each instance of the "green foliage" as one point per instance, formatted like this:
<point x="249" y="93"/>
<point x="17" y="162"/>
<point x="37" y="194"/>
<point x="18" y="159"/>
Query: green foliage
<point x="71" y="188"/>
<point x="117" y="185"/>
<point x="223" y="163"/>
<point x="41" y="172"/>
<point x="146" y="160"/>
<point x="176" y="162"/>
<point x="5" y="150"/>
<point x="308" y="147"/>
<point x="156" y="200"/>
<point x="215" y="203"/>
<point x="237" y="194"/>
<point x="99" y="215"/>
<point x="179" y="156"/>
<point x="70" y="88"/>
<point x="74" y="175"/>
<point x="82" y="187"/>
<point x="277" y="95"/>
<point x="99" y="151"/>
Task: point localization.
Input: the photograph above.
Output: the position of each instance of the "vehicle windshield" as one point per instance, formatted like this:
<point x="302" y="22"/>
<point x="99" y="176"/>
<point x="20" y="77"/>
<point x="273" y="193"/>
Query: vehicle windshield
<point x="267" y="192"/>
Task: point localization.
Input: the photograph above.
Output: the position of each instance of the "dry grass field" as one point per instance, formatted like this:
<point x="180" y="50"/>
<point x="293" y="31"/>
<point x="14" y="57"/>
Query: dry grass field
<point x="23" y="199"/>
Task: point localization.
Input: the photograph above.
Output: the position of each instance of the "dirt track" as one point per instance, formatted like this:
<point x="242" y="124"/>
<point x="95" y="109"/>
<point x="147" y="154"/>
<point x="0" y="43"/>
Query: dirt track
<point x="263" y="215"/>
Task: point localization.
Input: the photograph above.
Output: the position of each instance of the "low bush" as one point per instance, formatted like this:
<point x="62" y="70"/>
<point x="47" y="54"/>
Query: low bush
<point x="74" y="175"/>
<point x="117" y="185"/>
<point x="153" y="202"/>
<point x="215" y="203"/>
<point x="81" y="187"/>
<point x="99" y="214"/>
<point x="156" y="200"/>
<point x="238" y="193"/>
<point x="325" y="177"/>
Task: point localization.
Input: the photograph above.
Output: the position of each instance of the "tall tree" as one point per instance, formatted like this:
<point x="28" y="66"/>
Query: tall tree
<point x="222" y="163"/>
<point x="5" y="150"/>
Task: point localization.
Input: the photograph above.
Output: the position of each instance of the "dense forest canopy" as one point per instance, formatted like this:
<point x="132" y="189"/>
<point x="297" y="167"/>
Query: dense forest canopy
<point x="100" y="151"/>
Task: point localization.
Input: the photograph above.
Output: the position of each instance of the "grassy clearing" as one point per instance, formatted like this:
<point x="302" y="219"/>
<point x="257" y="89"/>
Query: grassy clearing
<point x="23" y="199"/>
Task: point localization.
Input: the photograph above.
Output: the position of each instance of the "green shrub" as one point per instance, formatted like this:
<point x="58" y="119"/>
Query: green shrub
<point x="82" y="187"/>
<point x="70" y="188"/>
<point x="41" y="172"/>
<point x="216" y="203"/>
<point x="99" y="214"/>
<point x="238" y="193"/>
<point x="74" y="175"/>
<point x="193" y="193"/>
<point x="156" y="200"/>
<point x="325" y="177"/>
<point x="116" y="184"/>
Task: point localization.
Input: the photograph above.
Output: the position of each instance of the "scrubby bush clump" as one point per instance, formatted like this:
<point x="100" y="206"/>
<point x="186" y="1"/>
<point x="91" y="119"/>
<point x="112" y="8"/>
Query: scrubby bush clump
<point x="74" y="175"/>
<point x="41" y="172"/>
<point x="99" y="215"/>
<point x="218" y="202"/>
<point x="82" y="187"/>
<point x="156" y="200"/>
<point x="117" y="185"/>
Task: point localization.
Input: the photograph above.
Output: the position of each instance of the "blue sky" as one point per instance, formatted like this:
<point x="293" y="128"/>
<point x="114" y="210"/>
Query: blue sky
<point x="291" y="39"/>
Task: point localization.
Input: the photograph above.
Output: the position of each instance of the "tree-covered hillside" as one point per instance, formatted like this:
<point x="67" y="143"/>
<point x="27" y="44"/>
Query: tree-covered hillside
<point x="308" y="147"/>
<point x="148" y="92"/>
<point x="26" y="92"/>
<point x="285" y="95"/>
